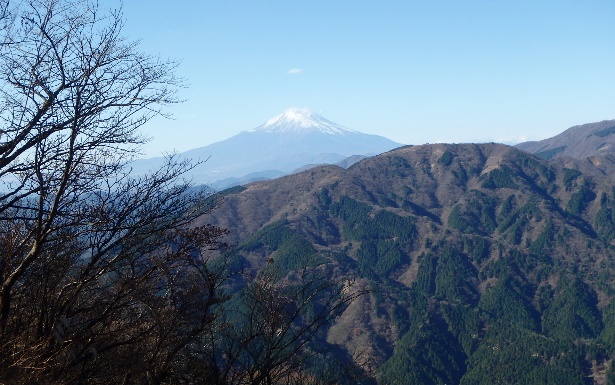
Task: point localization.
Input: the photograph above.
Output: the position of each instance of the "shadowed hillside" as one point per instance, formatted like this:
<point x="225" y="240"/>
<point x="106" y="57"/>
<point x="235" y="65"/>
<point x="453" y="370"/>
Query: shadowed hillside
<point x="486" y="264"/>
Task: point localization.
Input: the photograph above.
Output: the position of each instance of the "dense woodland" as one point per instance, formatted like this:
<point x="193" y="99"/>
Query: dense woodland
<point x="485" y="264"/>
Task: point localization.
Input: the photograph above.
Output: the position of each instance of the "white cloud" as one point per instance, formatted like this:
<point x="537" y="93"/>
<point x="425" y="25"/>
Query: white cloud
<point x="294" y="71"/>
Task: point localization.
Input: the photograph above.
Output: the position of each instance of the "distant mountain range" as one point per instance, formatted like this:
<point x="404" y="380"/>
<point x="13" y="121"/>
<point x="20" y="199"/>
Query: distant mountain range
<point x="285" y="143"/>
<point x="486" y="264"/>
<point x="298" y="139"/>
<point x="582" y="141"/>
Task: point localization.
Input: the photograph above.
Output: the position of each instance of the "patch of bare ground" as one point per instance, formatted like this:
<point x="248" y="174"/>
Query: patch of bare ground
<point x="598" y="374"/>
<point x="366" y="338"/>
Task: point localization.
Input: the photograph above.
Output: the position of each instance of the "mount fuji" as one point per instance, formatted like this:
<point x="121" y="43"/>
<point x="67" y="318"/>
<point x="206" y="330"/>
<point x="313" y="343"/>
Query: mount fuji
<point x="285" y="143"/>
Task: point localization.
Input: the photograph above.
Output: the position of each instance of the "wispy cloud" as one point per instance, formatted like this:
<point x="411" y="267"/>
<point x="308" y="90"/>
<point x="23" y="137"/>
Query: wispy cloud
<point x="294" y="71"/>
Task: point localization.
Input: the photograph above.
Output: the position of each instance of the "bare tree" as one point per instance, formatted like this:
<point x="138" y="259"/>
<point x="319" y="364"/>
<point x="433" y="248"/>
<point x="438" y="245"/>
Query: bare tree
<point x="100" y="281"/>
<point x="73" y="95"/>
<point x="269" y="324"/>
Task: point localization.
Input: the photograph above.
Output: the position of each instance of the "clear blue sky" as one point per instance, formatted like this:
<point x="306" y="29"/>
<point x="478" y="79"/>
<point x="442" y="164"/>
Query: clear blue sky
<point x="413" y="71"/>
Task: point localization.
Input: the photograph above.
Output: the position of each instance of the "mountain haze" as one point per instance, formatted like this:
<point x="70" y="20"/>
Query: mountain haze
<point x="590" y="139"/>
<point x="287" y="142"/>
<point x="486" y="264"/>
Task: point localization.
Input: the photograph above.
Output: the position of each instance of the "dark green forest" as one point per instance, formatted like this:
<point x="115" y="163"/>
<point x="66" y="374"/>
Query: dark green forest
<point x="486" y="275"/>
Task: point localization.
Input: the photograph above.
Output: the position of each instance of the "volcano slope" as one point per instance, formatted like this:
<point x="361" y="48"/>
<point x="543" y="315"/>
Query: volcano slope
<point x="486" y="264"/>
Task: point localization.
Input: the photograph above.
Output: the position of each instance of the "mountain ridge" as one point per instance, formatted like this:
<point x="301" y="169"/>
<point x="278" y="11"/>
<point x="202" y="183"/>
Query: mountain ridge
<point x="591" y="139"/>
<point x="465" y="246"/>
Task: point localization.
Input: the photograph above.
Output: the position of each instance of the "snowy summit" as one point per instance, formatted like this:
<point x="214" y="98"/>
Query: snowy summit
<point x="301" y="120"/>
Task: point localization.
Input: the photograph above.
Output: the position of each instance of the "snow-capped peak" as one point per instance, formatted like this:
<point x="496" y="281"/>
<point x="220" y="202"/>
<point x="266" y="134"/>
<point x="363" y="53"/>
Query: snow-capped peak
<point x="301" y="120"/>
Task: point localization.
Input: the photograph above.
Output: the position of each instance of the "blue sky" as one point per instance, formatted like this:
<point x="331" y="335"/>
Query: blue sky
<point x="413" y="71"/>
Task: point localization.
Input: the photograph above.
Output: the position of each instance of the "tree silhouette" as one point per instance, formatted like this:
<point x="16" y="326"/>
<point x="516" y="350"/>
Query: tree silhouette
<point x="101" y="280"/>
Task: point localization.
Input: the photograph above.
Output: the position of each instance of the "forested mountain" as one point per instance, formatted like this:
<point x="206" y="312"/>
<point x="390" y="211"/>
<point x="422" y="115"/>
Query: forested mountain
<point x="441" y="264"/>
<point x="590" y="139"/>
<point x="486" y="265"/>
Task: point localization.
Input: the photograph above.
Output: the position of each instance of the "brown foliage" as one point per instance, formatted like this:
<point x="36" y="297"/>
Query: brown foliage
<point x="100" y="282"/>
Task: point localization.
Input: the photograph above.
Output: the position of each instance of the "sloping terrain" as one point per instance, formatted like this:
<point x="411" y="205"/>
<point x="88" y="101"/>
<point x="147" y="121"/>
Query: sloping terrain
<point x="590" y="139"/>
<point x="486" y="264"/>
